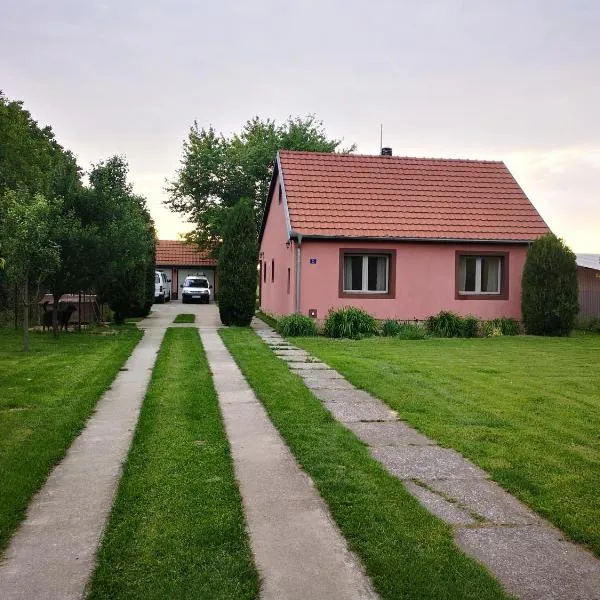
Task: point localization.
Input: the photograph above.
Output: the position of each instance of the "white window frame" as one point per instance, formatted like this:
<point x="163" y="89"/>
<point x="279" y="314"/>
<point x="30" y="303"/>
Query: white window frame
<point x="478" y="291"/>
<point x="365" y="274"/>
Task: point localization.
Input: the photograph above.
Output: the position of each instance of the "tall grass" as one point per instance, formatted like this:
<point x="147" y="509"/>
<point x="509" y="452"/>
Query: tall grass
<point x="296" y="326"/>
<point x="350" y="322"/>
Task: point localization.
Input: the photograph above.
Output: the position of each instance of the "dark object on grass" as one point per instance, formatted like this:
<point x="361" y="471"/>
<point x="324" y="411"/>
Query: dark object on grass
<point x="63" y="316"/>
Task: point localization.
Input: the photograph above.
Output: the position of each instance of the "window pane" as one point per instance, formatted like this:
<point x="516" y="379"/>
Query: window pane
<point x="353" y="273"/>
<point x="490" y="269"/>
<point x="377" y="274"/>
<point x="468" y="268"/>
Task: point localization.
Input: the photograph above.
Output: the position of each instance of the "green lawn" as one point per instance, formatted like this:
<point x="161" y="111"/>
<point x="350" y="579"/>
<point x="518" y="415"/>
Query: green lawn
<point x="177" y="527"/>
<point x="46" y="396"/>
<point x="184" y="318"/>
<point x="525" y="409"/>
<point x="406" y="551"/>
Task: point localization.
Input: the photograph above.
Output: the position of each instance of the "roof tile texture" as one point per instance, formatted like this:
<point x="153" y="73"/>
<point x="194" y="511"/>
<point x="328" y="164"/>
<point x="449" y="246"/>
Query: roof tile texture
<point x="179" y="254"/>
<point x="351" y="195"/>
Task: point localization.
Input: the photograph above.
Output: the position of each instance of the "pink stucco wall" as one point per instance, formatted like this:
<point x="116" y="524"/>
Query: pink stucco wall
<point x="425" y="281"/>
<point x="275" y="298"/>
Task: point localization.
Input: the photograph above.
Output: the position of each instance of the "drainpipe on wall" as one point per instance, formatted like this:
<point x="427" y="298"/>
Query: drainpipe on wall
<point x="298" y="262"/>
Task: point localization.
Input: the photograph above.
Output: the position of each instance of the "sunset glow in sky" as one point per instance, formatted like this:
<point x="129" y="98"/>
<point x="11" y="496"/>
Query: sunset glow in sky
<point x="512" y="81"/>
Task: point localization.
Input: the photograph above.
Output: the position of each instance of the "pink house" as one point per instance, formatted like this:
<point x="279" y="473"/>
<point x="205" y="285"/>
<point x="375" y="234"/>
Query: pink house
<point x="399" y="237"/>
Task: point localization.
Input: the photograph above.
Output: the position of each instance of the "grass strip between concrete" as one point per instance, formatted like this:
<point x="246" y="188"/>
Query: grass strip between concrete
<point x="184" y="318"/>
<point x="406" y="551"/>
<point x="177" y="527"/>
<point x="46" y="397"/>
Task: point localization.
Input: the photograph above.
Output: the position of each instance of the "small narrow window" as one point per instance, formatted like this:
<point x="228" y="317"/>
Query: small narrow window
<point x="289" y="280"/>
<point x="265" y="272"/>
<point x="280" y="194"/>
<point x="272" y="270"/>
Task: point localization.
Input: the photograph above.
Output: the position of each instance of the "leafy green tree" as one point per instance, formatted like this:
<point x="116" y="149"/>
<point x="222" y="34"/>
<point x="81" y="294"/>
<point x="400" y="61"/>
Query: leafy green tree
<point x="30" y="251"/>
<point x="216" y="171"/>
<point x="237" y="266"/>
<point x="125" y="241"/>
<point x="549" y="298"/>
<point x="30" y="156"/>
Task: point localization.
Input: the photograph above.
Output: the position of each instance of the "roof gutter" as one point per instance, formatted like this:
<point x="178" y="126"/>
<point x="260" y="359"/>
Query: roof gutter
<point x="360" y="238"/>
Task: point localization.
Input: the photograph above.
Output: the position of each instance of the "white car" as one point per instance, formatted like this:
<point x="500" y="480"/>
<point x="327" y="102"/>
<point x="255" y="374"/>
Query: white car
<point x="162" y="287"/>
<point x="195" y="288"/>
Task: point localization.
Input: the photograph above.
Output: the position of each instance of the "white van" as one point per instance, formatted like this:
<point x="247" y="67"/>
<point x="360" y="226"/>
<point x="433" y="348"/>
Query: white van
<point x="195" y="288"/>
<point x="162" y="287"/>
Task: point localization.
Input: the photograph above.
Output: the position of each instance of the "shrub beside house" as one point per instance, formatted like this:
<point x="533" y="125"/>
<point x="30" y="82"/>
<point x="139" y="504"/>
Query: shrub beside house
<point x="402" y="238"/>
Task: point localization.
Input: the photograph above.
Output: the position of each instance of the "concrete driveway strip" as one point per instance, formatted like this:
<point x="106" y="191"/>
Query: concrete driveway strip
<point x="298" y="550"/>
<point x="528" y="555"/>
<point x="51" y="556"/>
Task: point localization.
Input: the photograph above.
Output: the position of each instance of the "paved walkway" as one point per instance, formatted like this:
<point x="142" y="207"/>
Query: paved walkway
<point x="298" y="550"/>
<point x="527" y="554"/>
<point x="51" y="556"/>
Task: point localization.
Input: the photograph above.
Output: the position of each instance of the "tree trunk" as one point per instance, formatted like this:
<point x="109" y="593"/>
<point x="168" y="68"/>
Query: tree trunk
<point x="55" y="301"/>
<point x="26" y="316"/>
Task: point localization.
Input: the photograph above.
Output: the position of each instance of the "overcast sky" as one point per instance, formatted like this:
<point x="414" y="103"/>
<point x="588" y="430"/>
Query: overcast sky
<point x="517" y="81"/>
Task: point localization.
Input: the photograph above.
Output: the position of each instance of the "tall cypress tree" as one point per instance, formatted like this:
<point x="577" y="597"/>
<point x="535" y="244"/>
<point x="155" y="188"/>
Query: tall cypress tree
<point x="549" y="297"/>
<point x="237" y="266"/>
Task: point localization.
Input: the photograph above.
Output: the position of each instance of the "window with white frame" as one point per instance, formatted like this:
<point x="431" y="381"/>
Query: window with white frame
<point x="480" y="275"/>
<point x="366" y="273"/>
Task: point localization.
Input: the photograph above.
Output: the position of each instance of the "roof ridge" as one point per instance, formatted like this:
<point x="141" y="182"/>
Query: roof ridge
<point x="394" y="157"/>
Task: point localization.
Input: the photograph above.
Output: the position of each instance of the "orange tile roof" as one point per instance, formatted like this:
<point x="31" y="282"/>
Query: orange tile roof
<point x="177" y="253"/>
<point x="348" y="195"/>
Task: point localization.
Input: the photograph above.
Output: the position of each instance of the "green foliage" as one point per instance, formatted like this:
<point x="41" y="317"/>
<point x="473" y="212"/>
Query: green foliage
<point x="296" y="326"/>
<point x="349" y="322"/>
<point x="470" y="327"/>
<point x="390" y="327"/>
<point x="237" y="266"/>
<point x="549" y="298"/>
<point x="445" y="324"/>
<point x="124" y="241"/>
<point x="217" y="171"/>
<point x="30" y="157"/>
<point x="411" y="331"/>
<point x="101" y="237"/>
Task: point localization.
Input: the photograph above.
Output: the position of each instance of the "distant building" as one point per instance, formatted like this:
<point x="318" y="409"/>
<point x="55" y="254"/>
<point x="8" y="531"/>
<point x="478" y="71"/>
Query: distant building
<point x="178" y="260"/>
<point x="588" y="274"/>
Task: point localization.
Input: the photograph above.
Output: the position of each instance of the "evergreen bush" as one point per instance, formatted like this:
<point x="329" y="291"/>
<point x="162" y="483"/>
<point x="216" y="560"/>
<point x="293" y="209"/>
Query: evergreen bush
<point x="296" y="326"/>
<point x="237" y="266"/>
<point x="549" y="297"/>
<point x="349" y="322"/>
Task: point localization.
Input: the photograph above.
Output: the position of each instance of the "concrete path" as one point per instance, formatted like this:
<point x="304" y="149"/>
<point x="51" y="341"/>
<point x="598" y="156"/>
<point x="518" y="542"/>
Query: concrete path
<point x="51" y="556"/>
<point x="528" y="555"/>
<point x="298" y="550"/>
